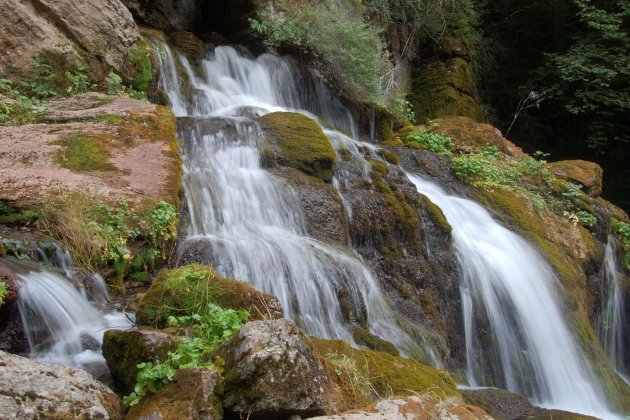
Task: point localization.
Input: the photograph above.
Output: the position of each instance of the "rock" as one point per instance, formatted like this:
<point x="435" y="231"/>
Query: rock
<point x="33" y="390"/>
<point x="444" y="87"/>
<point x="299" y="142"/>
<point x="415" y="408"/>
<point x="272" y="371"/>
<point x="124" y="349"/>
<point x="190" y="288"/>
<point x="587" y="174"/>
<point x="100" y="33"/>
<point x="506" y="405"/>
<point x="135" y="141"/>
<point x="192" y="395"/>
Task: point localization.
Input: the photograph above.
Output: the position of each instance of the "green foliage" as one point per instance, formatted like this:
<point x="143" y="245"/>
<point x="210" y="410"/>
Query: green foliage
<point x="42" y="83"/>
<point x="209" y="329"/>
<point x="474" y="168"/>
<point x="115" y="86"/>
<point x="13" y="216"/>
<point x="351" y="51"/>
<point x="3" y="292"/>
<point x="586" y="218"/>
<point x="431" y="141"/>
<point x="101" y="237"/>
<point x="78" y="79"/>
<point x="16" y="108"/>
<point x="623" y="231"/>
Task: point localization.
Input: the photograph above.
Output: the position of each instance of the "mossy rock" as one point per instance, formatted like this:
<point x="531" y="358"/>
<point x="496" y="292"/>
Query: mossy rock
<point x="444" y="88"/>
<point x="381" y="374"/>
<point x="11" y="215"/>
<point x="189" y="289"/>
<point x="582" y="172"/>
<point x="125" y="349"/>
<point x="301" y="144"/>
<point x="365" y="338"/>
<point x="436" y="214"/>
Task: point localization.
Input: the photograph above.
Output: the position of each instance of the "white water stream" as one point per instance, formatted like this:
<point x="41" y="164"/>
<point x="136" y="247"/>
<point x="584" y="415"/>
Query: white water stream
<point x="612" y="325"/>
<point x="251" y="221"/>
<point x="506" y="280"/>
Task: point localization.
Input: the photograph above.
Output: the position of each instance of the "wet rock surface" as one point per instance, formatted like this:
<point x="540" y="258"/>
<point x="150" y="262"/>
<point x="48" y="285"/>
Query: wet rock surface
<point x="33" y="390"/>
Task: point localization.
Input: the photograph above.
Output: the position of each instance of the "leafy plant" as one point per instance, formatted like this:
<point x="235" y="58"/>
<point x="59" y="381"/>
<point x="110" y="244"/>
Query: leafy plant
<point x="586" y="219"/>
<point x="208" y="329"/>
<point x="78" y="79"/>
<point x="3" y="292"/>
<point x="114" y="83"/>
<point x="431" y="141"/>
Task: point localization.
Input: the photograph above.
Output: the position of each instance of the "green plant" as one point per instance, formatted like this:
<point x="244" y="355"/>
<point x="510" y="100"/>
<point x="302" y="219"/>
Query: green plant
<point x="623" y="230"/>
<point x="208" y="330"/>
<point x="586" y="219"/>
<point x="3" y="292"/>
<point x="431" y="141"/>
<point x="42" y="83"/>
<point x="351" y="52"/>
<point x="474" y="169"/>
<point x="114" y="83"/>
<point x="78" y="79"/>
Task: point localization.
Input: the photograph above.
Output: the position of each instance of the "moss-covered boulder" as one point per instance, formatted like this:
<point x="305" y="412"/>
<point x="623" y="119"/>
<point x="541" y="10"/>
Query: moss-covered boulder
<point x="444" y="88"/>
<point x="587" y="174"/>
<point x="363" y="375"/>
<point x="272" y="371"/>
<point x="194" y="394"/>
<point x="301" y="144"/>
<point x="189" y="289"/>
<point x="124" y="349"/>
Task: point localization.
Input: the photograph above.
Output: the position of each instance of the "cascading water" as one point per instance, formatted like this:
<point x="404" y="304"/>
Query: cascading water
<point x="612" y="323"/>
<point x="249" y="220"/>
<point x="60" y="324"/>
<point x="505" y="281"/>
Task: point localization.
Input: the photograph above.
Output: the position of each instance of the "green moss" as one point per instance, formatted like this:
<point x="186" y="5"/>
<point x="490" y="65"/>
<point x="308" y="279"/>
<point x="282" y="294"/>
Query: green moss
<point x="83" y="153"/>
<point x="113" y="119"/>
<point x="10" y="215"/>
<point x="387" y="374"/>
<point x="141" y="67"/>
<point x="364" y="338"/>
<point x="302" y="143"/>
<point x="444" y="88"/>
<point x="188" y="290"/>
<point x="391" y="157"/>
<point x="385" y="121"/>
<point x="436" y="215"/>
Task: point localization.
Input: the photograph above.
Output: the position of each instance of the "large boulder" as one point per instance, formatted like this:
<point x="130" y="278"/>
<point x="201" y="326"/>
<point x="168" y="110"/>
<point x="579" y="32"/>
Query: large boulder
<point x="111" y="147"/>
<point x="415" y="408"/>
<point x="299" y="142"/>
<point x="124" y="349"/>
<point x="190" y="288"/>
<point x="33" y="390"/>
<point x="192" y="395"/>
<point x="100" y="33"/>
<point x="272" y="371"/>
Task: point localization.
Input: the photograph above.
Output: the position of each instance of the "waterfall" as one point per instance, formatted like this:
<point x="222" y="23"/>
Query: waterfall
<point x="61" y="325"/>
<point x="247" y="222"/>
<point x="507" y="283"/>
<point x="613" y="320"/>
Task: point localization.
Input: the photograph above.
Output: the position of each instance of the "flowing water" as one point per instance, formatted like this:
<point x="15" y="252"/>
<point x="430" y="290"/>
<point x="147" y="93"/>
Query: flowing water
<point x="249" y="223"/>
<point x="61" y="325"/>
<point x="510" y="289"/>
<point x="613" y="322"/>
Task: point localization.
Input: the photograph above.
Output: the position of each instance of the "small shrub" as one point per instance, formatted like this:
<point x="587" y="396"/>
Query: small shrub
<point x="586" y="219"/>
<point x="474" y="169"/>
<point x="431" y="141"/>
<point x="78" y="79"/>
<point x="209" y="329"/>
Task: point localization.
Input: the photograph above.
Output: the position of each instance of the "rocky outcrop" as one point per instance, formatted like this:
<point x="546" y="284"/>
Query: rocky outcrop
<point x="587" y="174"/>
<point x="415" y="408"/>
<point x="112" y="147"/>
<point x="192" y="395"/>
<point x="191" y="288"/>
<point x="100" y="33"/>
<point x="32" y="390"/>
<point x="125" y="349"/>
<point x="271" y="371"/>
<point x="443" y="84"/>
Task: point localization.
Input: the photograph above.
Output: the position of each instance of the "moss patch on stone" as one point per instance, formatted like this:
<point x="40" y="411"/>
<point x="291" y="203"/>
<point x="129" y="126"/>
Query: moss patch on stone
<point x="364" y="338"/>
<point x="436" y="214"/>
<point x="81" y="152"/>
<point x="10" y="215"/>
<point x="140" y="65"/>
<point x="387" y="375"/>
<point x="189" y="289"/>
<point x="302" y="144"/>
